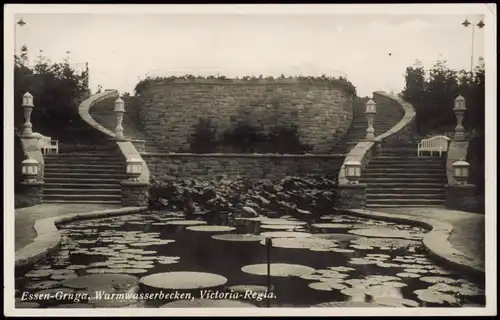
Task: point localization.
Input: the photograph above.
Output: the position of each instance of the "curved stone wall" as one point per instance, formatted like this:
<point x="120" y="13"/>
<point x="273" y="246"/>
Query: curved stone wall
<point x="169" y="110"/>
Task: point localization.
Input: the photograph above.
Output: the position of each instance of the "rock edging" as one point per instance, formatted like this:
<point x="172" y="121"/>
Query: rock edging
<point x="436" y="241"/>
<point x="49" y="238"/>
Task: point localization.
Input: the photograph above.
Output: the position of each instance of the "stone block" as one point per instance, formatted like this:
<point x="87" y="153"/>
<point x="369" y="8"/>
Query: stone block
<point x="134" y="193"/>
<point x="351" y="196"/>
<point x="33" y="191"/>
<point x="461" y="197"/>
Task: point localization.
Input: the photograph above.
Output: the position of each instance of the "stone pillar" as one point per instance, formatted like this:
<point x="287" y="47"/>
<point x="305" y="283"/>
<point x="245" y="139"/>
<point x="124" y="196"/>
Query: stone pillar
<point x="33" y="190"/>
<point x="134" y="193"/>
<point x="351" y="196"/>
<point x="461" y="197"/>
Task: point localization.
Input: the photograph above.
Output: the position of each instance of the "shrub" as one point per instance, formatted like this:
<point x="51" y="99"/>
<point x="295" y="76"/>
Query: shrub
<point x="203" y="138"/>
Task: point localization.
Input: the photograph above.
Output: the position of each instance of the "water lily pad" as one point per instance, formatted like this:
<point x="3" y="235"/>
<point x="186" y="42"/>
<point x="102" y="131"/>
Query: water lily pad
<point x="152" y="242"/>
<point x="282" y="222"/>
<point x="40" y="285"/>
<point x="138" y="251"/>
<point x="387" y="232"/>
<point x="395" y="284"/>
<point x="385" y="243"/>
<point x="76" y="267"/>
<point x="105" y="282"/>
<point x="437" y="280"/>
<point x="408" y="275"/>
<point x="278" y="227"/>
<point x="186" y="222"/>
<point x="340" y="250"/>
<point x="360" y="247"/>
<point x="312" y="276"/>
<point x="63" y="276"/>
<point x="211" y="228"/>
<point x="207" y="303"/>
<point x="331" y="226"/>
<point x="415" y="271"/>
<point x="340" y="237"/>
<point x="238" y="237"/>
<point x="434" y="296"/>
<point x="248" y="287"/>
<point x="382" y="278"/>
<point x="168" y="260"/>
<point x="395" y="302"/>
<point x="38" y="273"/>
<point x="130" y="270"/>
<point x="360" y="261"/>
<point x="326" y="286"/>
<point x="285" y="234"/>
<point x="313" y="244"/>
<point x="278" y="270"/>
<point x="341" y="269"/>
<point x="182" y="280"/>
<point x="354" y="292"/>
<point x="387" y="265"/>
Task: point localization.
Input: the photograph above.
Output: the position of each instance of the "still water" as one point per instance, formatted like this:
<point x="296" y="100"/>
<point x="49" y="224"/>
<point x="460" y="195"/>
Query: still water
<point x="335" y="260"/>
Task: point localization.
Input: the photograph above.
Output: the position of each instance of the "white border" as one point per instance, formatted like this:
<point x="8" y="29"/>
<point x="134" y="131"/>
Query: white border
<point x="429" y="9"/>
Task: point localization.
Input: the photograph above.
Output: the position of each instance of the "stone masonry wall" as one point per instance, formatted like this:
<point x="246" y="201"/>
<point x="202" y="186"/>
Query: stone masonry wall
<point x="169" y="110"/>
<point x="246" y="165"/>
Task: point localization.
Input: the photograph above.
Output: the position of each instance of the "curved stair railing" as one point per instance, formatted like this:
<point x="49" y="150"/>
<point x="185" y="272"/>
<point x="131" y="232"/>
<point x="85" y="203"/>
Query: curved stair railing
<point x="126" y="147"/>
<point x="363" y="151"/>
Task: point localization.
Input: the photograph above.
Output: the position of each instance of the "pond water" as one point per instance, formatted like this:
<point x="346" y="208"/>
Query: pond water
<point x="332" y="261"/>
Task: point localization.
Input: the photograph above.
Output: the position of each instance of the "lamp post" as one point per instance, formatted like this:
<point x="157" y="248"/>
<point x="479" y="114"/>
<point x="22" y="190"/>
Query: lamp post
<point x="134" y="168"/>
<point x="353" y="171"/>
<point x="29" y="169"/>
<point x="370" y="111"/>
<point x="466" y="24"/>
<point x="28" y="108"/>
<point x="461" y="171"/>
<point x="119" y="111"/>
<point x="459" y="110"/>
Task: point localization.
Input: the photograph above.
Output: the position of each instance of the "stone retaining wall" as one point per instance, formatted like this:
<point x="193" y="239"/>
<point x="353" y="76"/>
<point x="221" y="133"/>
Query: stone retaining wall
<point x="170" y="110"/>
<point x="252" y="166"/>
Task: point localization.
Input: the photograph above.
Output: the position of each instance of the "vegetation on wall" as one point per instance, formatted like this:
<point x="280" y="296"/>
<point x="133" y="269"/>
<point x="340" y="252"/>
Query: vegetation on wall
<point x="244" y="137"/>
<point x="340" y="82"/>
<point x="433" y="93"/>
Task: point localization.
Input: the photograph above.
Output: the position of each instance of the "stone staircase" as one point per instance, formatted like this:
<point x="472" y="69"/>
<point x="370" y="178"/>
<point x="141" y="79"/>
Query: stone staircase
<point x="398" y="178"/>
<point x="103" y="114"/>
<point x="387" y="116"/>
<point x="93" y="176"/>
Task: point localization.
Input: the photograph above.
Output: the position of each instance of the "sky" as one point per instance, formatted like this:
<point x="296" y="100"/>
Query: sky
<point x="372" y="50"/>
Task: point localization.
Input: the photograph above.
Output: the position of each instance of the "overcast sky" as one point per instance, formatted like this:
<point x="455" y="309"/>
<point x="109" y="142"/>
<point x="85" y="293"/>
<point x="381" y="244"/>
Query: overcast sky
<point x="372" y="49"/>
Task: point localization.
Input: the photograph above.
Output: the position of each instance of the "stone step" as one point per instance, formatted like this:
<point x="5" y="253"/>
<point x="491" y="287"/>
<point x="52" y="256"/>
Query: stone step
<point x="398" y="196"/>
<point x="82" y="197"/>
<point x="84" y="186"/>
<point x="114" y="191"/>
<point x="395" y="184"/>
<point x="81" y="201"/>
<point x="423" y="174"/>
<point x="96" y="182"/>
<point x="409" y="181"/>
<point x="89" y="166"/>
<point x="77" y="175"/>
<point x="405" y="166"/>
<point x="392" y="190"/>
<point x="396" y="201"/>
<point x="402" y="162"/>
<point x="85" y="161"/>
<point x="402" y="205"/>
<point x="54" y="171"/>
<point x="416" y="169"/>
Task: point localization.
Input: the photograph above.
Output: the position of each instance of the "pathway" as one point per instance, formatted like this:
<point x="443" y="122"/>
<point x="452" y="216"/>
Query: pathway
<point x="468" y="235"/>
<point x="26" y="217"/>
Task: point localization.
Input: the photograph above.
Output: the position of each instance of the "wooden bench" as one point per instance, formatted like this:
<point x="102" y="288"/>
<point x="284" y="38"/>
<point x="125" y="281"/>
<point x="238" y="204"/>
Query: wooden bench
<point x="46" y="144"/>
<point x="435" y="144"/>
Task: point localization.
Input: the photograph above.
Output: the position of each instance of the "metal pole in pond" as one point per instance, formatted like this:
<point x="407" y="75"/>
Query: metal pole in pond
<point x="269" y="245"/>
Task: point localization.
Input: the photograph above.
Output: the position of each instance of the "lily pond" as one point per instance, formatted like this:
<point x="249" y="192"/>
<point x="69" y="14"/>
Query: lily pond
<point x="328" y="261"/>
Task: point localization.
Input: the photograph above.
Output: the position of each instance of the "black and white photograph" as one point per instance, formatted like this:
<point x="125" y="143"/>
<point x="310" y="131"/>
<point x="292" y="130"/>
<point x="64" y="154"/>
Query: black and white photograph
<point x="250" y="160"/>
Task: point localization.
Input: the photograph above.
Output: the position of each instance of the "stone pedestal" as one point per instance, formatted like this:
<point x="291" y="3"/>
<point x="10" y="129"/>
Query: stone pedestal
<point x="134" y="193"/>
<point x="461" y="197"/>
<point x="351" y="196"/>
<point x="33" y="190"/>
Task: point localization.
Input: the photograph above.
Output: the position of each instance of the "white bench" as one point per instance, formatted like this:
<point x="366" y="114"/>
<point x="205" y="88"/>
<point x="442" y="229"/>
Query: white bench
<point x="434" y="144"/>
<point x="46" y="144"/>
